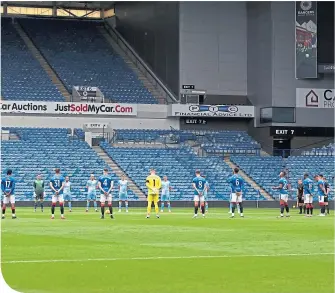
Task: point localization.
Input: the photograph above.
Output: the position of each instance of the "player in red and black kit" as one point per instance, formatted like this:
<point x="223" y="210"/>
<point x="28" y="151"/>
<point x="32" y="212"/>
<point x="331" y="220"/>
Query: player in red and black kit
<point x="300" y="196"/>
<point x="327" y="190"/>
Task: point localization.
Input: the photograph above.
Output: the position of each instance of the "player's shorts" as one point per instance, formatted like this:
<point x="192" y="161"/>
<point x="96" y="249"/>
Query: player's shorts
<point x="284" y="197"/>
<point x="67" y="196"/>
<point x="56" y="198"/>
<point x="308" y="198"/>
<point x="104" y="198"/>
<point x="39" y="196"/>
<point x="123" y="196"/>
<point x="153" y="198"/>
<point x="198" y="198"/>
<point x="236" y="197"/>
<point x="321" y="199"/>
<point x="165" y="196"/>
<point x="9" y="199"/>
<point x="91" y="196"/>
<point x="326" y="199"/>
<point x="300" y="199"/>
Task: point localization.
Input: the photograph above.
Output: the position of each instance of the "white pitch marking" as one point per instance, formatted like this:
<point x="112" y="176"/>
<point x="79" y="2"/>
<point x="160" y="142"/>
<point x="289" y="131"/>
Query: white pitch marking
<point x="163" y="257"/>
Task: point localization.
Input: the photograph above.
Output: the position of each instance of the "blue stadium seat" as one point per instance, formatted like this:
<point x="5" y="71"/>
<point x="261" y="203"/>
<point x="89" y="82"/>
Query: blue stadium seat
<point x="81" y="56"/>
<point x="23" y="78"/>
<point x="40" y="150"/>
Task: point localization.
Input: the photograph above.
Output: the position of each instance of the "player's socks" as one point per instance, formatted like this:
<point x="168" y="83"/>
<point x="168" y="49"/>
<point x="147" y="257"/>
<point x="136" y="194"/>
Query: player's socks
<point x="126" y="207"/>
<point x="162" y="207"/>
<point x="156" y="208"/>
<point x="13" y="213"/>
<point x="102" y="211"/>
<point x="203" y="209"/>
<point x="95" y="206"/>
<point x="307" y="210"/>
<point x="35" y="206"/>
<point x="87" y="205"/>
<point x="287" y="209"/>
<point x="70" y="206"/>
<point x="196" y="208"/>
<point x="300" y="208"/>
<point x="52" y="209"/>
<point x="328" y="209"/>
<point x="281" y="210"/>
<point x="111" y="210"/>
<point x="169" y="207"/>
<point x="42" y="206"/>
<point x="304" y="209"/>
<point x="206" y="206"/>
<point x="61" y="207"/>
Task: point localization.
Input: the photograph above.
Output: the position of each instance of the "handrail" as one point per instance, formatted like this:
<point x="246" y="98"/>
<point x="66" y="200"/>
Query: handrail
<point x="119" y="37"/>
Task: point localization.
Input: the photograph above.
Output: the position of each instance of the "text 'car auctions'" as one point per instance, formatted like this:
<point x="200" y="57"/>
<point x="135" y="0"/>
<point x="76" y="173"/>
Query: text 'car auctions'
<point x="220" y="111"/>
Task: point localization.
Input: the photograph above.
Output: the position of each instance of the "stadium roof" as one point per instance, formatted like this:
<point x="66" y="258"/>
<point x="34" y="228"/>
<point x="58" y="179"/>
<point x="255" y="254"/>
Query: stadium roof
<point x="64" y="4"/>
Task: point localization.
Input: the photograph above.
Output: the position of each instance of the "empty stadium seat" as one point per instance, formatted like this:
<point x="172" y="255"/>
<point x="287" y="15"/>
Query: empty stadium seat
<point x="179" y="164"/>
<point x="41" y="150"/>
<point x="23" y="78"/>
<point x="82" y="57"/>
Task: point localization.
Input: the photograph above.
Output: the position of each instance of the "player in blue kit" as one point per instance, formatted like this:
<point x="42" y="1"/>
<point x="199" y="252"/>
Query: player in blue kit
<point x="283" y="194"/>
<point x="67" y="192"/>
<point x="106" y="186"/>
<point x="237" y="186"/>
<point x="8" y="188"/>
<point x="308" y="195"/>
<point x="91" y="186"/>
<point x="57" y="186"/>
<point x="166" y="188"/>
<point x="321" y="194"/>
<point x="199" y="185"/>
<point x="123" y="193"/>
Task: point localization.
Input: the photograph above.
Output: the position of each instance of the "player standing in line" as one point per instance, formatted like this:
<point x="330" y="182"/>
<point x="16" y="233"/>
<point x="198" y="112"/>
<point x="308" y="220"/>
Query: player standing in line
<point x="7" y="188"/>
<point x="67" y="192"/>
<point x="199" y="185"/>
<point x="327" y="190"/>
<point x="237" y="186"/>
<point x="308" y="195"/>
<point x="321" y="194"/>
<point x="166" y="188"/>
<point x="153" y="183"/>
<point x="106" y="186"/>
<point x="123" y="193"/>
<point x="206" y="194"/>
<point x="91" y="186"/>
<point x="300" y="196"/>
<point x="57" y="186"/>
<point x="38" y="192"/>
<point x="283" y="187"/>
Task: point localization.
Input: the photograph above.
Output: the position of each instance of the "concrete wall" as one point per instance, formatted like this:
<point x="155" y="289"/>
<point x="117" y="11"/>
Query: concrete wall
<point x="152" y="28"/>
<point x="78" y="122"/>
<point x="213" y="46"/>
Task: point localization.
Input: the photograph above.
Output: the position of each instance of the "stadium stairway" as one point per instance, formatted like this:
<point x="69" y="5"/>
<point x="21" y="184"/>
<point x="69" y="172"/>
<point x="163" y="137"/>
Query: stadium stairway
<point x="248" y="179"/>
<point x="118" y="171"/>
<point x="44" y="64"/>
<point x="151" y="88"/>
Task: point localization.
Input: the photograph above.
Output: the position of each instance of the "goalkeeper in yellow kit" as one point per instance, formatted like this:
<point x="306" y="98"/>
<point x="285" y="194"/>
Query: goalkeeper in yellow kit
<point x="153" y="183"/>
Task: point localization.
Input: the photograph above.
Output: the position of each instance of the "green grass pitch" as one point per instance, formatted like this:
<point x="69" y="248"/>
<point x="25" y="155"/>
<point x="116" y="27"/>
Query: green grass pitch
<point x="175" y="253"/>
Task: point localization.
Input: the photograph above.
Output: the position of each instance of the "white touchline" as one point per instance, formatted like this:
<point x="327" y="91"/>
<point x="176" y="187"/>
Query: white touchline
<point x="163" y="257"/>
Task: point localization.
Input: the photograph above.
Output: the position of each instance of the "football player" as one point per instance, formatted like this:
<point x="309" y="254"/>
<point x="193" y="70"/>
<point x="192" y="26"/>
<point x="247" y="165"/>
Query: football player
<point x="57" y="186"/>
<point x="8" y="188"/>
<point x="153" y="183"/>
<point x="283" y="194"/>
<point x="106" y="186"/>
<point x="199" y="186"/>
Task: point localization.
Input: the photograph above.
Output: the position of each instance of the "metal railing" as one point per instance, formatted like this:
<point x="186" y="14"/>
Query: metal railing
<point x="141" y="65"/>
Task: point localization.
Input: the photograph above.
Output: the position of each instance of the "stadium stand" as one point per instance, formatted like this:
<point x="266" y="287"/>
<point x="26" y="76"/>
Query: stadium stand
<point x="22" y="76"/>
<point x="82" y="57"/>
<point x="40" y="150"/>
<point x="179" y="164"/>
